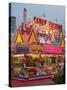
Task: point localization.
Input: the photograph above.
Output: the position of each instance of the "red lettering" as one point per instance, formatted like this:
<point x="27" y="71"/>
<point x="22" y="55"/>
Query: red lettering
<point x="54" y="26"/>
<point x="39" y="20"/>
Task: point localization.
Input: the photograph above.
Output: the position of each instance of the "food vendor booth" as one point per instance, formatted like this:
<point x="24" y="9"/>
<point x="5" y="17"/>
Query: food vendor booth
<point x="39" y="54"/>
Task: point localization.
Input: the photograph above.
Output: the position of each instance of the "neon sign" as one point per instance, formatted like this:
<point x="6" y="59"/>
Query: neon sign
<point x="39" y="20"/>
<point x="37" y="48"/>
<point x="54" y="26"/>
<point x="22" y="49"/>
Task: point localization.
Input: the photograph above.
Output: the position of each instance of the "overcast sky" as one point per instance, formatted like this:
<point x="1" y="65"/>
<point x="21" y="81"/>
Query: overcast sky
<point x="52" y="12"/>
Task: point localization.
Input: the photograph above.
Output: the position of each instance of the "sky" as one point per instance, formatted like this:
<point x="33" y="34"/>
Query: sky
<point x="52" y="12"/>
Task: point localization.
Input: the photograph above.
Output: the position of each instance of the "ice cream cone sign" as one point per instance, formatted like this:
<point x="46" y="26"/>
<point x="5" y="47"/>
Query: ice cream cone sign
<point x="62" y="44"/>
<point x="19" y="39"/>
<point x="32" y="38"/>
